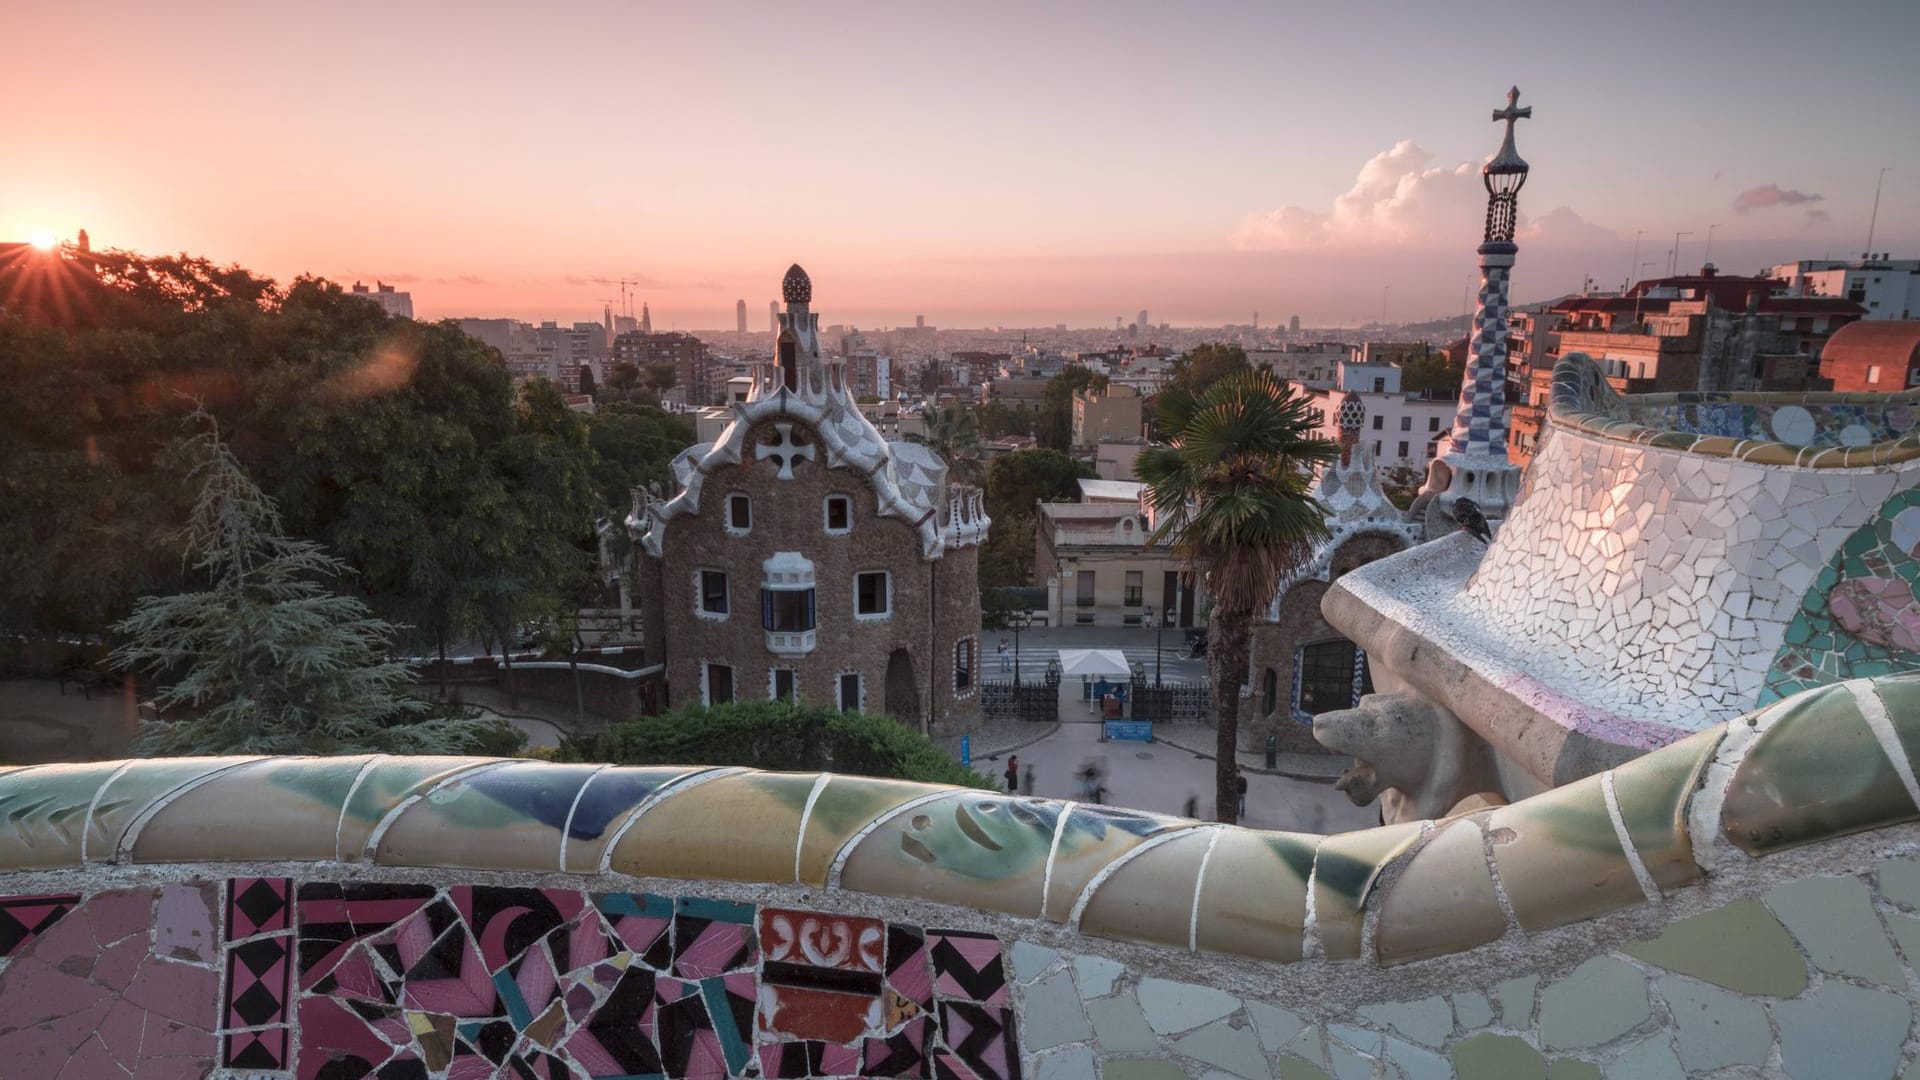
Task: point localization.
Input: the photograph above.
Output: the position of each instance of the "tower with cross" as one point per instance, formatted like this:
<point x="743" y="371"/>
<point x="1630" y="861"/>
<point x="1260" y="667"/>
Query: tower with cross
<point x="1473" y="462"/>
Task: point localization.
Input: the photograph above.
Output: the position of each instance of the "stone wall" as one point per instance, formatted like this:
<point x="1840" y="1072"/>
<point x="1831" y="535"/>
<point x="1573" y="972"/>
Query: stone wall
<point x="1747" y="900"/>
<point x="935" y="602"/>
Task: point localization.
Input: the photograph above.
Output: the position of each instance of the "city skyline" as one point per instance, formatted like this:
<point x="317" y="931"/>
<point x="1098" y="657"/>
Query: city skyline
<point x="1282" y="160"/>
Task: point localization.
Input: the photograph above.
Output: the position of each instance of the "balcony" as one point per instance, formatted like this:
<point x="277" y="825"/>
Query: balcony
<point x="790" y="642"/>
<point x="1083" y="601"/>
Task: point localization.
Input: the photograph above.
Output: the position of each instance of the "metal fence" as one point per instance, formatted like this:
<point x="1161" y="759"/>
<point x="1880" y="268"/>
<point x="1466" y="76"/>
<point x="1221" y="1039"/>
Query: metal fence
<point x="1012" y="699"/>
<point x="1174" y="701"/>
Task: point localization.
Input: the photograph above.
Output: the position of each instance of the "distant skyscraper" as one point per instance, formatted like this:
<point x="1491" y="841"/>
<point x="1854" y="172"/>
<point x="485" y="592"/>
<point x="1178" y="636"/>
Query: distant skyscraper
<point x="646" y="320"/>
<point x="1143" y="319"/>
<point x="773" y="316"/>
<point x="1293" y="324"/>
<point x="1117" y="322"/>
<point x="919" y="322"/>
<point x="740" y="316"/>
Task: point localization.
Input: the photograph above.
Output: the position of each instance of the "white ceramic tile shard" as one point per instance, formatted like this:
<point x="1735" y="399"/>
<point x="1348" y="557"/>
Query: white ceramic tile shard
<point x="1651" y="585"/>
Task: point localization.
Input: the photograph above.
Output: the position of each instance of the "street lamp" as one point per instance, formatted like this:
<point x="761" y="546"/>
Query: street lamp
<point x="1019" y="623"/>
<point x="1158" y="626"/>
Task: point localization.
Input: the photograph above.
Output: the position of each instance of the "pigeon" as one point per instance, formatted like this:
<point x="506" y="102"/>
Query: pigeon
<point x="1467" y="513"/>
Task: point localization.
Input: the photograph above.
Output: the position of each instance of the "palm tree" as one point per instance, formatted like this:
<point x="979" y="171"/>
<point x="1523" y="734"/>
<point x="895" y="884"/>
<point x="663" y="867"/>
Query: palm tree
<point x="953" y="434"/>
<point x="1230" y="492"/>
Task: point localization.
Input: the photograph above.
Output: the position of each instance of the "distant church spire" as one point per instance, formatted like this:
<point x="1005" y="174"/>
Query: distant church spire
<point x="646" y="320"/>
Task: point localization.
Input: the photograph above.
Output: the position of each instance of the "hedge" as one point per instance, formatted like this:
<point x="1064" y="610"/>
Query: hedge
<point x="777" y="736"/>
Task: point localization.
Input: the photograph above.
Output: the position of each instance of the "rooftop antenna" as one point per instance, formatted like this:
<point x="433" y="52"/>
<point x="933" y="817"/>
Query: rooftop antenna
<point x="1708" y="257"/>
<point x="1635" y="264"/>
<point x="1673" y="257"/>
<point x="1874" y="220"/>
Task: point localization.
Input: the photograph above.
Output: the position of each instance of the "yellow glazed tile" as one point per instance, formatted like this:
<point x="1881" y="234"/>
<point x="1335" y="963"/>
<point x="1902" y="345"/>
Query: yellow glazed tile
<point x="609" y="798"/>
<point x="1149" y="897"/>
<point x="1094" y="837"/>
<point x="384" y="785"/>
<point x="280" y="808"/>
<point x="968" y="848"/>
<point x="1253" y="896"/>
<point x="1559" y="857"/>
<point x="1653" y="792"/>
<point x="1443" y="902"/>
<point x="1345" y="870"/>
<point x="127" y="796"/>
<point x="508" y="817"/>
<point x="740" y="827"/>
<point x="845" y="806"/>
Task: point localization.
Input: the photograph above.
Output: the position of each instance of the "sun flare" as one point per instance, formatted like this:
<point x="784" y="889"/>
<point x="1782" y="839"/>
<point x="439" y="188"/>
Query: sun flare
<point x="42" y="239"/>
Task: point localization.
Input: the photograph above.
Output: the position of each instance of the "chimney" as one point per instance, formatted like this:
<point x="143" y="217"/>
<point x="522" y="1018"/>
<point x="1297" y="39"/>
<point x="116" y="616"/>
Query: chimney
<point x="1753" y="301"/>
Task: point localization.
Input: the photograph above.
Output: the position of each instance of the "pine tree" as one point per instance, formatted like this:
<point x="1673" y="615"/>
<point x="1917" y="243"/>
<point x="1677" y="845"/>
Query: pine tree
<point x="267" y="660"/>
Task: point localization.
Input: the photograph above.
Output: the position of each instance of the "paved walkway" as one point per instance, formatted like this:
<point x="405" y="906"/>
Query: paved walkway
<point x="1160" y="777"/>
<point x="1199" y="739"/>
<point x="39" y="724"/>
<point x="1041" y="645"/>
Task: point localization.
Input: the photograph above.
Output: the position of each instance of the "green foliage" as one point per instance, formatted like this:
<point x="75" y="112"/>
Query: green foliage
<point x="952" y="434"/>
<point x="780" y="736"/>
<point x="1193" y="374"/>
<point x="633" y="445"/>
<point x="1015" y="482"/>
<point x="1400" y="484"/>
<point x="1231" y="493"/>
<point x="266" y="660"/>
<point x="1432" y="375"/>
<point x="402" y="448"/>
<point x="997" y="418"/>
<point x="1056" y="404"/>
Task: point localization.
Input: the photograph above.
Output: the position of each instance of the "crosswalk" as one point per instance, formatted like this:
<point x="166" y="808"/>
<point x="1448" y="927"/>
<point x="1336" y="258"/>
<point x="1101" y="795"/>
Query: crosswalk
<point x="1174" y="666"/>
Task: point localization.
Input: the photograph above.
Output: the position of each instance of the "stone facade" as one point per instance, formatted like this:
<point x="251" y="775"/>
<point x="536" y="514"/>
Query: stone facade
<point x="753" y="571"/>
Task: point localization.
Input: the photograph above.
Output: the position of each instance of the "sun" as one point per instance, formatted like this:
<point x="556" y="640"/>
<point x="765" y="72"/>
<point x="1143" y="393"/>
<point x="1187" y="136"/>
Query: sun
<point x="42" y="239"/>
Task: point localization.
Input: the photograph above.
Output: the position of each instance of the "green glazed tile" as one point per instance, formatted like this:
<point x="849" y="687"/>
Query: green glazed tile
<point x="509" y="817"/>
<point x="1597" y="1002"/>
<point x="1140" y="1069"/>
<point x="279" y="808"/>
<point x="1498" y="1057"/>
<point x="43" y="810"/>
<point x="1653" y="792"/>
<point x="845" y="806"/>
<point x="1559" y="858"/>
<point x="1093" y="839"/>
<point x="1253" y="900"/>
<point x="965" y="847"/>
<point x="387" y="783"/>
<point x="1740" y="946"/>
<point x="1572" y="1069"/>
<point x="1345" y="869"/>
<point x="1817" y="773"/>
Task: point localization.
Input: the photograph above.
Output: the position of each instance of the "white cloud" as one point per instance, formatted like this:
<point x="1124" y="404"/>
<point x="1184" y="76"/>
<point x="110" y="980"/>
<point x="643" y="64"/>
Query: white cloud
<point x="1400" y="198"/>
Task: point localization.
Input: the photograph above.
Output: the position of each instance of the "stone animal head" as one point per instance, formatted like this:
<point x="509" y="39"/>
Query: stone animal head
<point x="1391" y="738"/>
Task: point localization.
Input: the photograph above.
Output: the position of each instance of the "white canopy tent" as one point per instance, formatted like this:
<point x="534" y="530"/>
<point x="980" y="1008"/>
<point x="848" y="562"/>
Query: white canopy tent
<point x="1094" y="662"/>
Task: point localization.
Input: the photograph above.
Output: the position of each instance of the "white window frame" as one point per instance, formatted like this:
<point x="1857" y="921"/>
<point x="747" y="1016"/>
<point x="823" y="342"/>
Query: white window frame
<point x="860" y="695"/>
<point x="706" y="689"/>
<point x="884" y="613"/>
<point x="726" y="514"/>
<point x="773" y="682"/>
<point x="826" y="521"/>
<point x="700" y="594"/>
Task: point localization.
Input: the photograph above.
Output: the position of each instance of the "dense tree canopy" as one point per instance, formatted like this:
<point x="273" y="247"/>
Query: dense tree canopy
<point x="403" y="448"/>
<point x="1015" y="483"/>
<point x="1056" y="404"/>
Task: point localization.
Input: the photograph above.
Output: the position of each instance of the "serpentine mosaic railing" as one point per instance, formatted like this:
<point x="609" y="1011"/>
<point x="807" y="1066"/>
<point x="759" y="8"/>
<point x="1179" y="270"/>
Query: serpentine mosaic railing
<point x="1815" y="430"/>
<point x="1824" y="763"/>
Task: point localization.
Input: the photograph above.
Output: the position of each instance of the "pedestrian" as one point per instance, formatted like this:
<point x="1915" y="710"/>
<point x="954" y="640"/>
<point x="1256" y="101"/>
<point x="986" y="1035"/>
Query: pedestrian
<point x="1028" y="781"/>
<point x="1192" y="807"/>
<point x="1013" y="773"/>
<point x="1241" y="783"/>
<point x="1006" y="659"/>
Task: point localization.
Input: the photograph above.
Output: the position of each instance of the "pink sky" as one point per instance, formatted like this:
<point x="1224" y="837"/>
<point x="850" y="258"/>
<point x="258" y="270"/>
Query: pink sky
<point x="979" y="164"/>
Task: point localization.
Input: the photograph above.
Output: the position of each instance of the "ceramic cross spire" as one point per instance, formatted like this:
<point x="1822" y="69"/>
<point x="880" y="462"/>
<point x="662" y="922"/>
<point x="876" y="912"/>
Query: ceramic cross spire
<point x="1474" y="460"/>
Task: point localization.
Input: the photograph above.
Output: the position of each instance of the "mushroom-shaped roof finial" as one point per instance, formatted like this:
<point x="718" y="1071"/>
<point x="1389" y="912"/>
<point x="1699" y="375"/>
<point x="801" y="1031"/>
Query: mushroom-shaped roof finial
<point x="1352" y="413"/>
<point x="797" y="287"/>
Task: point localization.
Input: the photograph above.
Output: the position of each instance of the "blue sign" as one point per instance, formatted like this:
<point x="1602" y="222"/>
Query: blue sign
<point x="1135" y="730"/>
<point x="966" y="749"/>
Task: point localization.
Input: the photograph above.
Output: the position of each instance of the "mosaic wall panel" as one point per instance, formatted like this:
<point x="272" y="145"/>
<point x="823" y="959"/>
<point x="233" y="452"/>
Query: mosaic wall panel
<point x="1818" y="425"/>
<point x="268" y="979"/>
<point x="1860" y="617"/>
<point x="348" y="980"/>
